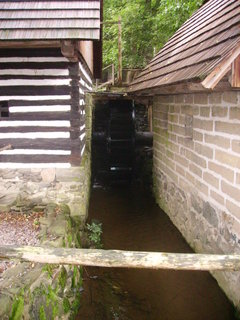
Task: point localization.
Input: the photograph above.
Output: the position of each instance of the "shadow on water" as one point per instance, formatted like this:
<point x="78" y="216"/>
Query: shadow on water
<point x="132" y="221"/>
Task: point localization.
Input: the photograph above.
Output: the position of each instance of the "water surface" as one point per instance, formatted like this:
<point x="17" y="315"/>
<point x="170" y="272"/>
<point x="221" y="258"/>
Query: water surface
<point x="132" y="221"/>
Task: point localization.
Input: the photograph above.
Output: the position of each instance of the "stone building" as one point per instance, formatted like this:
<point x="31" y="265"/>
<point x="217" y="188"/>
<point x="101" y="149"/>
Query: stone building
<point x="49" y="53"/>
<point x="193" y="84"/>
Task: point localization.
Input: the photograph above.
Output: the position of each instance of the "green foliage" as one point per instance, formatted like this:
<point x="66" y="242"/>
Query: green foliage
<point x="66" y="305"/>
<point x="17" y="307"/>
<point x="146" y="27"/>
<point x="94" y="233"/>
<point x="42" y="315"/>
<point x="49" y="268"/>
<point x="62" y="278"/>
<point x="52" y="300"/>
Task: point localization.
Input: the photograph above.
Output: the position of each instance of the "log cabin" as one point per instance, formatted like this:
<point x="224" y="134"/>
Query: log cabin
<point x="50" y="51"/>
<point x="193" y="86"/>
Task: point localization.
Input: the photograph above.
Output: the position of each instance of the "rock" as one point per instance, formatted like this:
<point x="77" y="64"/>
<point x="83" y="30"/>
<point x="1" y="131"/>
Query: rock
<point x="48" y="175"/>
<point x="5" y="305"/>
<point x="58" y="228"/>
<point x="210" y="214"/>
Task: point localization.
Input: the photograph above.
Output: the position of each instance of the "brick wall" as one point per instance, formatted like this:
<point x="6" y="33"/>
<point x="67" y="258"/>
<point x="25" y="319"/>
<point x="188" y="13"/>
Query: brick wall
<point x="197" y="172"/>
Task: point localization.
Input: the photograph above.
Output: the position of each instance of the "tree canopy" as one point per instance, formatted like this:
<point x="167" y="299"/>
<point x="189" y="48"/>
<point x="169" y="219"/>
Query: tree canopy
<point x="146" y="27"/>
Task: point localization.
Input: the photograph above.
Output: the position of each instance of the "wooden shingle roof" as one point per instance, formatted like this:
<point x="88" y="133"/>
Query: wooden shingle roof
<point x="202" y="49"/>
<point x="48" y="20"/>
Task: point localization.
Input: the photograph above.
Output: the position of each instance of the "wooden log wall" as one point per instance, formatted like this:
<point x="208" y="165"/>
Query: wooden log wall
<point x="42" y="108"/>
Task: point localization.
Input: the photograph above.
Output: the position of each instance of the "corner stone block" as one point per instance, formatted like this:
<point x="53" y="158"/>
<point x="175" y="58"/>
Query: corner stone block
<point x="74" y="174"/>
<point x="48" y="175"/>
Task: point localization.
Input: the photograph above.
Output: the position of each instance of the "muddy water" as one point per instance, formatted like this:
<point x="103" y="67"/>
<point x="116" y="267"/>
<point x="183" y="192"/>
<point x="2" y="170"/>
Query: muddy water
<point x="132" y="221"/>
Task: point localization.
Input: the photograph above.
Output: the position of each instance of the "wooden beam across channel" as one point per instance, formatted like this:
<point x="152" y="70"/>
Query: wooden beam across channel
<point x="122" y="259"/>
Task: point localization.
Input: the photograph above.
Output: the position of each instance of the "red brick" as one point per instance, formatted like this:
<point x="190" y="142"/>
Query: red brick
<point x="164" y="99"/>
<point x="210" y="179"/>
<point x="233" y="208"/>
<point x="197" y="136"/>
<point x="217" y="197"/>
<point x="173" y="147"/>
<point x="186" y="142"/>
<point x="231" y="191"/>
<point x="190" y="178"/>
<point x="220" y="112"/>
<point x="238" y="178"/>
<point x="236" y="145"/>
<point x="195" y="158"/>
<point x="234" y="113"/>
<point x="226" y="158"/>
<point x="174" y="109"/>
<point x="202" y="187"/>
<point x="230" y="128"/>
<point x="173" y="118"/>
<point x="184" y="98"/>
<point x="201" y="98"/>
<point x="180" y="170"/>
<point x="230" y="97"/>
<point x="176" y="129"/>
<point x="182" y="160"/>
<point x="203" y="124"/>
<point x="196" y="170"/>
<point x="205" y="111"/>
<point x="204" y="150"/>
<point x="217" y="140"/>
<point x="224" y="172"/>
<point x="215" y="98"/>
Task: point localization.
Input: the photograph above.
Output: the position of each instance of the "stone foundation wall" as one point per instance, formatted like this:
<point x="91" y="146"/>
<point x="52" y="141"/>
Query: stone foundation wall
<point x="30" y="187"/>
<point x="42" y="291"/>
<point x="196" y="172"/>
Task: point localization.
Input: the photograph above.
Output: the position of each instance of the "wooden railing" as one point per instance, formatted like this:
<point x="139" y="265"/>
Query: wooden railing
<point x="110" y="80"/>
<point x="122" y="259"/>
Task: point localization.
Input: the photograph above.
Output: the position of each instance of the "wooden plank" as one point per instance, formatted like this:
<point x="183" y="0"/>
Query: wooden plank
<point x="51" y="144"/>
<point x="35" y="90"/>
<point x="7" y="147"/>
<point x="236" y="73"/>
<point x="53" y="5"/>
<point x="35" y="158"/>
<point x="30" y="44"/>
<point x="31" y="65"/>
<point x="38" y="129"/>
<point x="122" y="259"/>
<point x="40" y="116"/>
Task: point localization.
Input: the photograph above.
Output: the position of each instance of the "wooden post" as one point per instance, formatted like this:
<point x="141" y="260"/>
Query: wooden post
<point x="236" y="73"/>
<point x="120" y="50"/>
<point x="122" y="259"/>
<point x="113" y="74"/>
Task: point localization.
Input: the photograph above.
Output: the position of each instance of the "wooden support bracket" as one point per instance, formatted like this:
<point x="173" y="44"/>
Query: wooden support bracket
<point x="68" y="49"/>
<point x="222" y="68"/>
<point x="236" y="73"/>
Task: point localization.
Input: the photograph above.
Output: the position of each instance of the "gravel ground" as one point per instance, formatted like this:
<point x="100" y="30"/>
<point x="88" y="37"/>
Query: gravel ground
<point x="18" y="229"/>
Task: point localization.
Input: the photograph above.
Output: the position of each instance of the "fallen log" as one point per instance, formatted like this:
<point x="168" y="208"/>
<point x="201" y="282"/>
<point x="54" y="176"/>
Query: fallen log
<point x="121" y="259"/>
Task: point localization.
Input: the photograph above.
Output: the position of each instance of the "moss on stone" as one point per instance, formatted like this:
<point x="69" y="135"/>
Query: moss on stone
<point x="66" y="305"/>
<point x="17" y="307"/>
<point x="42" y="315"/>
<point x="62" y="280"/>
